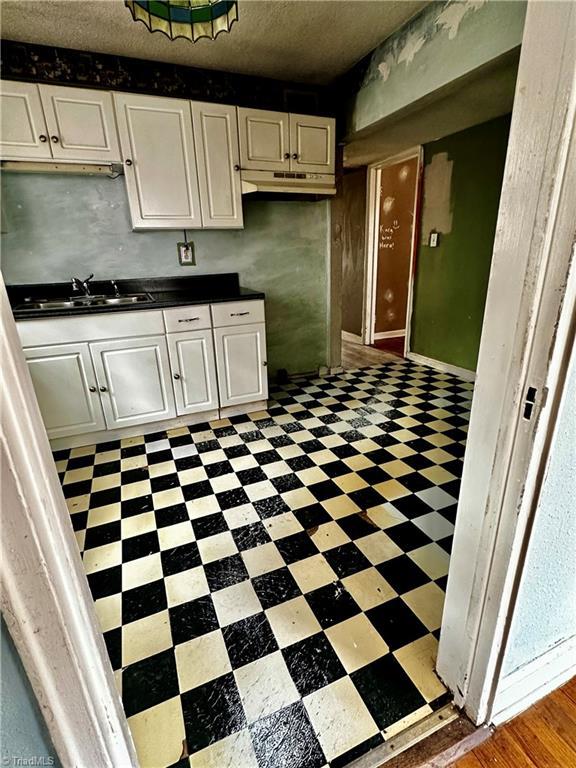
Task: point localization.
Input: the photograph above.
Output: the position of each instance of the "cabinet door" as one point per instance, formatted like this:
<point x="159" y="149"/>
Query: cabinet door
<point x="193" y="371"/>
<point x="134" y="380"/>
<point x="264" y="140"/>
<point x="159" y="161"/>
<point x="81" y="123"/>
<point x="241" y="360"/>
<point x="65" y="386"/>
<point x="216" y="140"/>
<point x="24" y="135"/>
<point x="312" y="144"/>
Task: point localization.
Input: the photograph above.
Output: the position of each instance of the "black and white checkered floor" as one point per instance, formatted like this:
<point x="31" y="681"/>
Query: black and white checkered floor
<point x="270" y="587"/>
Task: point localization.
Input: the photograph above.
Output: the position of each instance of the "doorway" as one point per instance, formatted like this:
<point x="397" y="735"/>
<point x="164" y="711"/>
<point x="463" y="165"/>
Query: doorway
<point x="393" y="203"/>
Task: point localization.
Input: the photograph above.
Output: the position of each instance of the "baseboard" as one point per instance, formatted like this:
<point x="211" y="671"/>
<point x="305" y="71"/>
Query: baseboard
<point x="389" y="334"/>
<point x="103" y="436"/>
<point x="240" y="410"/>
<point x="438" y="365"/>
<point x="534" y="680"/>
<point x="353" y="338"/>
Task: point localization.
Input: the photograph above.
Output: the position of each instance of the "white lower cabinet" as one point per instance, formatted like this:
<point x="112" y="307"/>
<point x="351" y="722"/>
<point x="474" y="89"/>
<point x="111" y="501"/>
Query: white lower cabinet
<point x="134" y="380"/>
<point x="193" y="371"/>
<point x="241" y="362"/>
<point x="65" y="385"/>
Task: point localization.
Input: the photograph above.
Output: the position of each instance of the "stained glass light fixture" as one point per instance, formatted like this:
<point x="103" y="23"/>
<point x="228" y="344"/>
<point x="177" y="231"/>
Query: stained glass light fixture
<point x="191" y="19"/>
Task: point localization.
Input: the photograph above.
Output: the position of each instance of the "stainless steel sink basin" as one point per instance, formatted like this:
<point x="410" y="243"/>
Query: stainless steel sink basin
<point x="85" y="302"/>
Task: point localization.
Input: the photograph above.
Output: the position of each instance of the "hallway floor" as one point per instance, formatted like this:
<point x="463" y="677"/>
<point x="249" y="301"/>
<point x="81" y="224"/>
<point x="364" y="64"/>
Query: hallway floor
<point x="270" y="587"/>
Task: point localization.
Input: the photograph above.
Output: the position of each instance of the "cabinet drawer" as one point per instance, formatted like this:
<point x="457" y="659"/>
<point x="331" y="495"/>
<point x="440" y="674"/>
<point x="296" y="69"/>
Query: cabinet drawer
<point x="193" y="318"/>
<point x="237" y="313"/>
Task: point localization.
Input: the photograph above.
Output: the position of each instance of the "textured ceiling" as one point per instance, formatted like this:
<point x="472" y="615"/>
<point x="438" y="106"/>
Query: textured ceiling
<point x="305" y="40"/>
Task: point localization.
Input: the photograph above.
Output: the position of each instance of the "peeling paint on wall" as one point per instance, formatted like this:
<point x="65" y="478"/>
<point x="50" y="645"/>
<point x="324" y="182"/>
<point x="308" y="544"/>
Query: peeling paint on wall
<point x="451" y="16"/>
<point x="437" y="205"/>
<point x="444" y="42"/>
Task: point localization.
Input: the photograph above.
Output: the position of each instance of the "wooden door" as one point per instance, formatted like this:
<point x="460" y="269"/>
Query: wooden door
<point x="216" y="138"/>
<point x="24" y="135"/>
<point x="264" y="140"/>
<point x="241" y="361"/>
<point x="65" y="386"/>
<point x="81" y="123"/>
<point x="193" y="371"/>
<point x="134" y="380"/>
<point x="395" y="245"/>
<point x="159" y="161"/>
<point x="312" y="144"/>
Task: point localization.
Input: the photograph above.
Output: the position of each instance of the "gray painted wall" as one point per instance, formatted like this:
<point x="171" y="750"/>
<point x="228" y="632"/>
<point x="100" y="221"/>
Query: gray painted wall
<point x="545" y="612"/>
<point x="54" y="227"/>
<point x="24" y="733"/>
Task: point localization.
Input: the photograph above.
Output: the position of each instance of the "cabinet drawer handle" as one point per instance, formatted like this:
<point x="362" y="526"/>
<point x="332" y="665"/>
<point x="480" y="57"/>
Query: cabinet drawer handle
<point x="176" y="376"/>
<point x="128" y="162"/>
<point x="92" y="389"/>
<point x="103" y="389"/>
<point x="55" y="139"/>
<point x="43" y="138"/>
<point x="236" y="167"/>
<point x="295" y="156"/>
<point x="239" y="314"/>
<point x="188" y="319"/>
<point x="265" y="363"/>
<point x="286" y="155"/>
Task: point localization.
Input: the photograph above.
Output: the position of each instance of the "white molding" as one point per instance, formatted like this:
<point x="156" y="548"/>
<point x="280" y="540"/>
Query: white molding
<point x="389" y="334"/>
<point x="531" y="682"/>
<point x="418" y="203"/>
<point x="438" y="365"/>
<point x="243" y="408"/>
<point x="105" y="435"/>
<point x="528" y="328"/>
<point x="45" y="596"/>
<point x="353" y="338"/>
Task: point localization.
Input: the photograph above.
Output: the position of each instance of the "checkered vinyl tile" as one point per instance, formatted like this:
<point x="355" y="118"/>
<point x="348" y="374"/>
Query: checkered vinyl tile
<point x="270" y="587"/>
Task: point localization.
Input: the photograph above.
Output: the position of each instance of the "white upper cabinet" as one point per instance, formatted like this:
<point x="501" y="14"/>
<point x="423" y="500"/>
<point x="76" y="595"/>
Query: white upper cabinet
<point x="216" y="139"/>
<point x="81" y="124"/>
<point x="157" y="144"/>
<point x="264" y="140"/>
<point x="312" y="144"/>
<point x="65" y="386"/>
<point x="24" y="135"/>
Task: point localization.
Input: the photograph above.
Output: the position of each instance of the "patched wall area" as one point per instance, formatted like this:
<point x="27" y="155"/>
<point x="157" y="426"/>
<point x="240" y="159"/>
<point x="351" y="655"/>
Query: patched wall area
<point x="462" y="184"/>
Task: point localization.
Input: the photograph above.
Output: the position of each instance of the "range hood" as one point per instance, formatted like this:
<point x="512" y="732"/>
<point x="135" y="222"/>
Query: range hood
<point x="288" y="182"/>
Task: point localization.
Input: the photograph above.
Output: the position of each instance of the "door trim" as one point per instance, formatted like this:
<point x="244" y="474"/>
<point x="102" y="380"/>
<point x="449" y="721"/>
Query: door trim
<point x="45" y="597"/>
<point x="531" y="290"/>
<point x="371" y="245"/>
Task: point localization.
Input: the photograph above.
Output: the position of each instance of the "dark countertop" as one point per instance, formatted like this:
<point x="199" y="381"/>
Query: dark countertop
<point x="165" y="292"/>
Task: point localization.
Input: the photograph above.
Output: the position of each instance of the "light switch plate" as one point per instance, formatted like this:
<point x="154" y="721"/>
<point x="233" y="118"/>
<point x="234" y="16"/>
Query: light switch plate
<point x="186" y="254"/>
<point x="433" y="240"/>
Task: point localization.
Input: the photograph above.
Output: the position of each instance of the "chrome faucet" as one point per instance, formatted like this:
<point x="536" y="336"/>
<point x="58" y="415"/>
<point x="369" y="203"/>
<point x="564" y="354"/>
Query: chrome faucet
<point x="82" y="285"/>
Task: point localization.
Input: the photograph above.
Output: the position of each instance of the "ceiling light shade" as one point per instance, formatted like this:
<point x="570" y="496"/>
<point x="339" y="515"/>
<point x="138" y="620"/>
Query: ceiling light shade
<point x="191" y="19"/>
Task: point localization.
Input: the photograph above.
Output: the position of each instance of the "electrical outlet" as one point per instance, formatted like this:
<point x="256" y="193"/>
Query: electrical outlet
<point x="433" y="239"/>
<point x="186" y="254"/>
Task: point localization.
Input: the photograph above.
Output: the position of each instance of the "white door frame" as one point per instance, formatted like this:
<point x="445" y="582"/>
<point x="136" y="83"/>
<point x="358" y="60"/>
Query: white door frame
<point x="45" y="597"/>
<point x="528" y="312"/>
<point x="46" y="600"/>
<point x="371" y="245"/>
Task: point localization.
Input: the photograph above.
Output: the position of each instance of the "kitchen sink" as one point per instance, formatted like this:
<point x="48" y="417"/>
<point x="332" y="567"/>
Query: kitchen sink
<point x="85" y="302"/>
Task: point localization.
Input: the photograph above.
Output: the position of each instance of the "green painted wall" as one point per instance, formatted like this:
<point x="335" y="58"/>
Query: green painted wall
<point x="24" y="734"/>
<point x="54" y="227"/>
<point x="445" y="41"/>
<point x="452" y="279"/>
